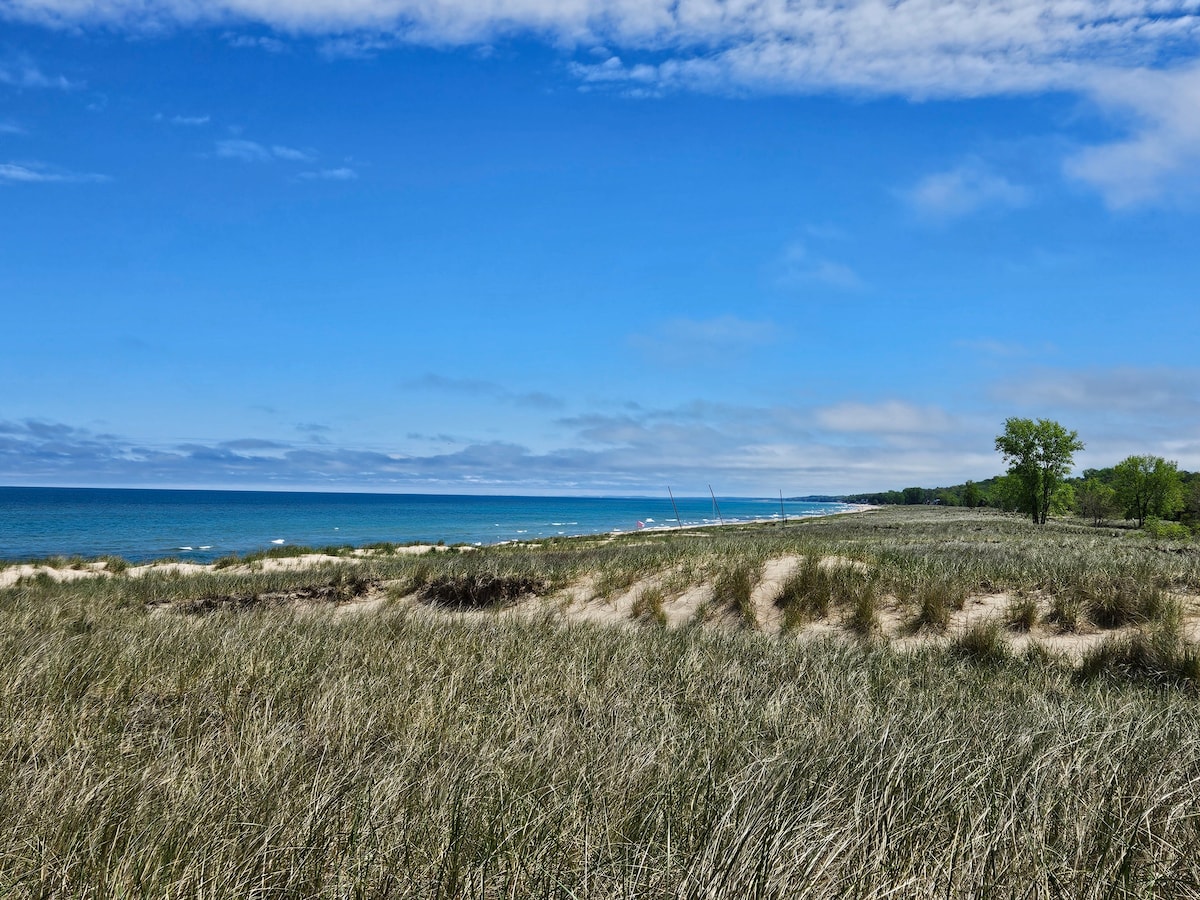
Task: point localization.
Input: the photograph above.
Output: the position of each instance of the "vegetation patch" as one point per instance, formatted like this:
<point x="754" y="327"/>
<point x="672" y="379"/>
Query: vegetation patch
<point x="480" y="589"/>
<point x="339" y="590"/>
<point x="733" y="588"/>
<point x="1159" y="657"/>
<point x="982" y="642"/>
<point x="1023" y="613"/>
<point x="648" y="606"/>
<point x="935" y="603"/>
<point x="402" y="754"/>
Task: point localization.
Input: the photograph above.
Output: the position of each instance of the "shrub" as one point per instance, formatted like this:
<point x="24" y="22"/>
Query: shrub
<point x="1166" y="531"/>
<point x="476" y="590"/>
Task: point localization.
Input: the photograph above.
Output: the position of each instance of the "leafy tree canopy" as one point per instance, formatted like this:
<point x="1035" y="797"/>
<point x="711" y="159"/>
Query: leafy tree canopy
<point x="1039" y="456"/>
<point x="1148" y="486"/>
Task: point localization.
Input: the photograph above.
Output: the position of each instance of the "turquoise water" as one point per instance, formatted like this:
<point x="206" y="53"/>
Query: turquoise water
<point x="203" y="525"/>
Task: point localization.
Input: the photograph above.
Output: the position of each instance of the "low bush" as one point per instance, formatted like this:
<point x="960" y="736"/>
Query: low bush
<point x="479" y="589"/>
<point x="1167" y="531"/>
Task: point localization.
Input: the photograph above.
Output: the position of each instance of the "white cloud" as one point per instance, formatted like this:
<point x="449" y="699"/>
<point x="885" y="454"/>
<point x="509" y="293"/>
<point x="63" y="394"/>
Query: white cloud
<point x="1160" y="157"/>
<point x="943" y="47"/>
<point x="1173" y="393"/>
<point x="190" y="120"/>
<point x="257" y="42"/>
<point x="887" y="418"/>
<point x="252" y="151"/>
<point x="247" y="151"/>
<point x="963" y="190"/>
<point x="799" y="266"/>
<point x="292" y="154"/>
<point x="22" y="73"/>
<point x="703" y="342"/>
<point x="342" y="173"/>
<point x="1111" y="51"/>
<point x="40" y="173"/>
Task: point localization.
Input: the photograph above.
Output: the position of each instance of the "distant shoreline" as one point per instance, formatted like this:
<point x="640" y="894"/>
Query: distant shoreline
<point x="201" y="526"/>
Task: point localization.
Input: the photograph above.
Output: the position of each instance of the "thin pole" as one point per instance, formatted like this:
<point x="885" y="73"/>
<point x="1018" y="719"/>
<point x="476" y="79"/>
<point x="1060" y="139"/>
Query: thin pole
<point x="781" y="510"/>
<point x="716" y="508"/>
<point x="673" y="506"/>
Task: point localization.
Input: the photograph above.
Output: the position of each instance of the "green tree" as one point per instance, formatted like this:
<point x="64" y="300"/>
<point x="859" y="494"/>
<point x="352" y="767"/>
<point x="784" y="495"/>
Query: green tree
<point x="1148" y="486"/>
<point x="971" y="495"/>
<point x="1191" y="507"/>
<point x="1095" y="500"/>
<point x="1063" y="500"/>
<point x="1039" y="455"/>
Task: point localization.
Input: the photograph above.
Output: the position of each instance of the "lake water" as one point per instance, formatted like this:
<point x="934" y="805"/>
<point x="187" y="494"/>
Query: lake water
<point x="202" y="525"/>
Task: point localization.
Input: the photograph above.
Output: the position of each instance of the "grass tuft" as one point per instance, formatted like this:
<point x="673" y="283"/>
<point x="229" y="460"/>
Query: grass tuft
<point x="982" y="642"/>
<point x="1023" y="613"/>
<point x="1159" y="657"/>
<point x="733" y="588"/>
<point x="648" y="607"/>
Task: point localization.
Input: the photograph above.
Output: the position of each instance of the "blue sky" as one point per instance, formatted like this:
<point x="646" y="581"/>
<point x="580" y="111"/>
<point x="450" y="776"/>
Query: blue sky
<point x="592" y="246"/>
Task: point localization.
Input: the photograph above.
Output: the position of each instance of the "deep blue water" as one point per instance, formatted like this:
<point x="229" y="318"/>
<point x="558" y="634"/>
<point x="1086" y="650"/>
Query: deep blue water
<point x="202" y="525"/>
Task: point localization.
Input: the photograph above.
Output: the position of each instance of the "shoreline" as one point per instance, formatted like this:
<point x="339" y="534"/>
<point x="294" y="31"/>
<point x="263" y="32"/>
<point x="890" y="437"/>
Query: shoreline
<point x="146" y="532"/>
<point x="61" y="567"/>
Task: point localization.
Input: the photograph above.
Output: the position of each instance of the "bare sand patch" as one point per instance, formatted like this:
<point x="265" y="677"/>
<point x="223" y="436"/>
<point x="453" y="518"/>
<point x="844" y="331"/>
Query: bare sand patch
<point x="12" y="574"/>
<point x="288" y="563"/>
<point x="767" y="614"/>
<point x="171" y="568"/>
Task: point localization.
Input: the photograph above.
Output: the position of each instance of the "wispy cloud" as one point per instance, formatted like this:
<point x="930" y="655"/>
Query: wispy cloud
<point x="187" y="121"/>
<point x="886" y="418"/>
<point x="799" y="266"/>
<point x="23" y="73"/>
<point x="7" y="126"/>
<point x="967" y="188"/>
<point x="1174" y="392"/>
<point x="937" y="47"/>
<point x="356" y="46"/>
<point x="1135" y="57"/>
<point x="1159" y="159"/>
<point x="342" y="173"/>
<point x="41" y="173"/>
<point x="704" y="342"/>
<point x="748" y="449"/>
<point x="256" y="42"/>
<point x="291" y="154"/>
<point x="252" y="151"/>
<point x="485" y="389"/>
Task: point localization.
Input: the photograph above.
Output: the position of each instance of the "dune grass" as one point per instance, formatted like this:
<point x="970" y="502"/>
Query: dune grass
<point x="280" y="750"/>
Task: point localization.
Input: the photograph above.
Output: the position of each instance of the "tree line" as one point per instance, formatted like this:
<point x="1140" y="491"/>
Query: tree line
<point x="1148" y="490"/>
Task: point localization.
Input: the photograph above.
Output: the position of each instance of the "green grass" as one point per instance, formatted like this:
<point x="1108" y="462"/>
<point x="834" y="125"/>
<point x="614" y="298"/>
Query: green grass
<point x="267" y="754"/>
<point x="265" y="749"/>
